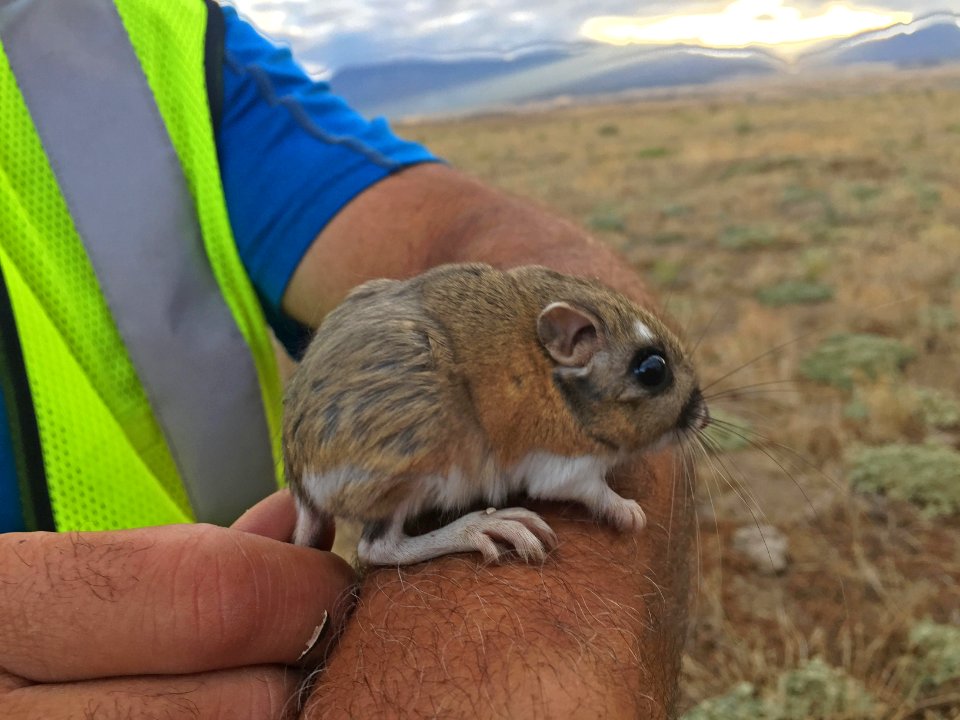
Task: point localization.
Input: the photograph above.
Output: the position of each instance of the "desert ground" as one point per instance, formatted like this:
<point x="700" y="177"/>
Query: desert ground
<point x="806" y="237"/>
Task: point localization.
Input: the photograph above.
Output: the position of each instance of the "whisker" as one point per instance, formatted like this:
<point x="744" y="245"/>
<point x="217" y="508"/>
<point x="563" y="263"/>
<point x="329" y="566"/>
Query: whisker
<point x="762" y="355"/>
<point x="760" y="416"/>
<point x="817" y="520"/>
<point x="740" y="488"/>
<point x="755" y="444"/>
<point x="729" y="478"/>
<point x="703" y="333"/>
<point x="673" y="497"/>
<point x="688" y="483"/>
<point x="752" y="386"/>
<point x="716" y="517"/>
<point x="733" y="481"/>
<point x="724" y="424"/>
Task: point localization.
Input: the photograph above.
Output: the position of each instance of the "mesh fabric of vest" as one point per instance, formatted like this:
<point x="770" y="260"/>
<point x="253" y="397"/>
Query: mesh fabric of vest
<point x="106" y="460"/>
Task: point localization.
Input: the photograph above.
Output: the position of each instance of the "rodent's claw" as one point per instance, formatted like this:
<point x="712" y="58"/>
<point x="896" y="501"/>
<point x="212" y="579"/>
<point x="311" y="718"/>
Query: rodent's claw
<point x="522" y="530"/>
<point x="488" y="548"/>
<point x="628" y="516"/>
<point x="533" y="522"/>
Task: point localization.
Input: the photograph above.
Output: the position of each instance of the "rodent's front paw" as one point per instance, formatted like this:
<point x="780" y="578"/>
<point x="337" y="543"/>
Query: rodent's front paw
<point x="628" y="516"/>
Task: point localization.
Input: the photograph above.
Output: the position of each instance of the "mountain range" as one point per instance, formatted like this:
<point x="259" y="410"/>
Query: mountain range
<point x="440" y="86"/>
<point x="930" y="40"/>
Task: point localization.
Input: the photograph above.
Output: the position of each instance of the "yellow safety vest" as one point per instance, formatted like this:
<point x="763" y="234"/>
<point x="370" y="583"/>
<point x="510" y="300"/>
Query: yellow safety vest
<point x="145" y="388"/>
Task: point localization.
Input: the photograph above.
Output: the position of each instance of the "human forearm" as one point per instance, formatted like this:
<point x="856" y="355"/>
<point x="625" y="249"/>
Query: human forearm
<point x="596" y="632"/>
<point x="429" y="215"/>
<point x="505" y="231"/>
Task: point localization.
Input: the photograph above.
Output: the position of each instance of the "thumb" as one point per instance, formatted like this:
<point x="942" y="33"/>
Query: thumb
<point x="273" y="517"/>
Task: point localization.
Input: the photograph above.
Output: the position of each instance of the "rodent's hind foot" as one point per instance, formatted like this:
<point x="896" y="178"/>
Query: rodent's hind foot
<point x="485" y="532"/>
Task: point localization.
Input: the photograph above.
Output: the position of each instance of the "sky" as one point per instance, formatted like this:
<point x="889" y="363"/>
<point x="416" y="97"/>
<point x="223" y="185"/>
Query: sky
<point x="327" y="34"/>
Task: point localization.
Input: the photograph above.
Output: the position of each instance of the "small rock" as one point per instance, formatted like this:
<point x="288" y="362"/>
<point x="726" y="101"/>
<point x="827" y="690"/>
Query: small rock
<point x="765" y="546"/>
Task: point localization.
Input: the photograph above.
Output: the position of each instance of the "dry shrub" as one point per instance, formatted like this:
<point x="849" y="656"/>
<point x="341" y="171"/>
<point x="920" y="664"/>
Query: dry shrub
<point x="885" y="411"/>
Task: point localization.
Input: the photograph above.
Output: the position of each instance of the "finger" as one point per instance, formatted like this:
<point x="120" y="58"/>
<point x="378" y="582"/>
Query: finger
<point x="169" y="600"/>
<point x="263" y="693"/>
<point x="275" y="517"/>
<point x="272" y="517"/>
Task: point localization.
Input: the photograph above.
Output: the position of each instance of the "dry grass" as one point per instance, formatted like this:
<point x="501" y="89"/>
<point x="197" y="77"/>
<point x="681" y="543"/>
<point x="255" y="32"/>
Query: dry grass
<point x="852" y="187"/>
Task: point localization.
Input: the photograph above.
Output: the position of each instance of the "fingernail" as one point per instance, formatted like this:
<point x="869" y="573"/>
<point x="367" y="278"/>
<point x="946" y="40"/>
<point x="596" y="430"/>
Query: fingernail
<point x="318" y="633"/>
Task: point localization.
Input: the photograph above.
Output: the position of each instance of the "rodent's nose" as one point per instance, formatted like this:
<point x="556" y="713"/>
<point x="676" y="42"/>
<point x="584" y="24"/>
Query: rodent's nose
<point x="695" y="414"/>
<point x="703" y="416"/>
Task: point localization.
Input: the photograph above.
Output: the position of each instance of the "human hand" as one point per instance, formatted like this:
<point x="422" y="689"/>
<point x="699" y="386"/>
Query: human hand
<point x="175" y="621"/>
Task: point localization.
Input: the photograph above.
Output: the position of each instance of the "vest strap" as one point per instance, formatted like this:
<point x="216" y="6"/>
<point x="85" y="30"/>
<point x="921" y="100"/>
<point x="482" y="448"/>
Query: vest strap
<point x="122" y="181"/>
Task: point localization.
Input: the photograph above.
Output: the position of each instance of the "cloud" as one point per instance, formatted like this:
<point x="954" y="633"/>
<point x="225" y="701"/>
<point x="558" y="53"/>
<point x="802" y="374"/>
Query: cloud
<point x="742" y="23"/>
<point x="327" y="34"/>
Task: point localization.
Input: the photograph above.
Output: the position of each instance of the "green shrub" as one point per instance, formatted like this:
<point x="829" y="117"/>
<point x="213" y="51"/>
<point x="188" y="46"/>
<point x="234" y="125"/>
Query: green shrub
<point x="928" y="196"/>
<point x="937" y="648"/>
<point x="676" y="210"/>
<point x="939" y="410"/>
<point x="651" y="153"/>
<point x="666" y="272"/>
<point x="856" y="410"/>
<point x="862" y="193"/>
<point x="609" y="130"/>
<point x="938" y="318"/>
<point x="794" y="292"/>
<point x="926" y="475"/>
<point x="607" y="220"/>
<point x="817" y="690"/>
<point x="746" y="237"/>
<point x="815" y="262"/>
<point x="744" y="127"/>
<point x="668" y="238"/>
<point x="797" y="194"/>
<point x="761" y="165"/>
<point x="793" y="195"/>
<point x="813" y="690"/>
<point x="840" y="358"/>
<point x="741" y="703"/>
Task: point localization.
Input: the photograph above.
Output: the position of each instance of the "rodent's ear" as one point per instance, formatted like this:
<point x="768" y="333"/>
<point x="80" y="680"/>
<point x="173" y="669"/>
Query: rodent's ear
<point x="570" y="334"/>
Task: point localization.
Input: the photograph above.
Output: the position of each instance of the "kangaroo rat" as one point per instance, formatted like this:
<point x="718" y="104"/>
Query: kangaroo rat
<point x="466" y="384"/>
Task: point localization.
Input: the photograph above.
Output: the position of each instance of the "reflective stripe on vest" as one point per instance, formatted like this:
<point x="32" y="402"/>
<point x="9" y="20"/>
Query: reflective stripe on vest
<point x="132" y="208"/>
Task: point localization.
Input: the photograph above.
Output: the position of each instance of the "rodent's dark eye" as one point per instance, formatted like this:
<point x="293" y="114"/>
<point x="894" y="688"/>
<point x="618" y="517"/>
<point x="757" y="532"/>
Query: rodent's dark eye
<point x="650" y="369"/>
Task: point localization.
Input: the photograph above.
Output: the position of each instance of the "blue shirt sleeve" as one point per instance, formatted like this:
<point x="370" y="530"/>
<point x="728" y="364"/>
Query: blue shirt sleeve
<point x="292" y="154"/>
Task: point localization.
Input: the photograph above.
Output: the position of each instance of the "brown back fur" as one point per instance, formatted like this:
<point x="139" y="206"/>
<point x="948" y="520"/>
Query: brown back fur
<point x="407" y="379"/>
